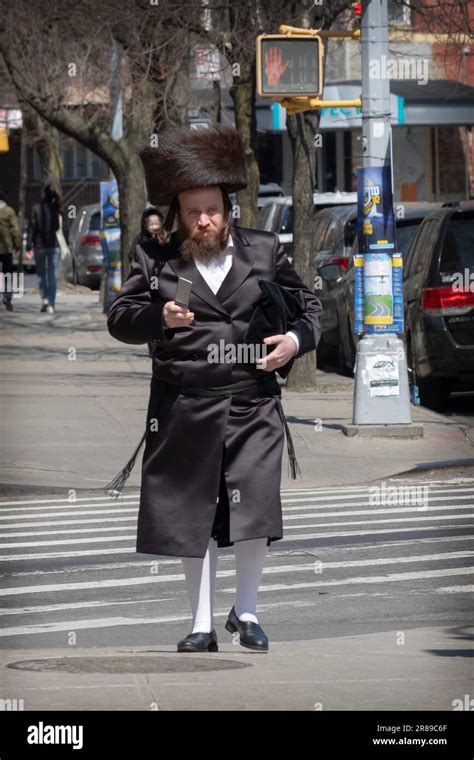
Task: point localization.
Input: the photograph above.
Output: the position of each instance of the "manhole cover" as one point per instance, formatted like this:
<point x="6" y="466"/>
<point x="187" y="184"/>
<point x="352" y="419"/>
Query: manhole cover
<point x="186" y="662"/>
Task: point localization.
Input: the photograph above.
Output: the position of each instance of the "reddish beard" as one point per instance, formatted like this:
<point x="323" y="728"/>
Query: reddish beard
<point x="200" y="245"/>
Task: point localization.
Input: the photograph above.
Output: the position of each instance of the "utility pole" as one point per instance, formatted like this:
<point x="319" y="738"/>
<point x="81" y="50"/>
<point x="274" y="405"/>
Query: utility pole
<point x="381" y="391"/>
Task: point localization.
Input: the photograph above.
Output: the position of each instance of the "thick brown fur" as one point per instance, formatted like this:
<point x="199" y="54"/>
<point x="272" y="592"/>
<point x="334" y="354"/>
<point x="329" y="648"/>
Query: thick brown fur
<point x="187" y="158"/>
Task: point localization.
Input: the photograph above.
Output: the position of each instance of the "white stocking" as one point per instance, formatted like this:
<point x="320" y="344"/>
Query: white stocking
<point x="249" y="561"/>
<point x="200" y="576"/>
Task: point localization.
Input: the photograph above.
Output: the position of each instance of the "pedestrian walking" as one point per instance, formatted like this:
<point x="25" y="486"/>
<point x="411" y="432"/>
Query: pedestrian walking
<point x="9" y="244"/>
<point x="211" y="469"/>
<point x="46" y="220"/>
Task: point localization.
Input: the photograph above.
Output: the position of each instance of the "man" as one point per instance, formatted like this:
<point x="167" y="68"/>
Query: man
<point x="9" y="243"/>
<point x="211" y="467"/>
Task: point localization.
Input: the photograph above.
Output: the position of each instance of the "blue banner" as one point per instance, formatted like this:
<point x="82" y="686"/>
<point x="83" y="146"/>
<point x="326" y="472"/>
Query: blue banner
<point x="110" y="238"/>
<point x="378" y="286"/>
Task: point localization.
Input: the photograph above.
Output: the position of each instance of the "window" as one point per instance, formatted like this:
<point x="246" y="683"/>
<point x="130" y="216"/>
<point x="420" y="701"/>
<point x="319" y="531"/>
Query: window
<point x="422" y="249"/>
<point x="79" y="162"/>
<point x="457" y="253"/>
<point x="286" y="220"/>
<point x="399" y="12"/>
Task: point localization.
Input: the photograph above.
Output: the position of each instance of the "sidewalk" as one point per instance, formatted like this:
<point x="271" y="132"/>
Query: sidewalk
<point x="71" y="418"/>
<point x="365" y="672"/>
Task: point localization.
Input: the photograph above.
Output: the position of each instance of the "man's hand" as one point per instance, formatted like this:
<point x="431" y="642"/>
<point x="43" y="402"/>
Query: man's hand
<point x="176" y="316"/>
<point x="285" y="350"/>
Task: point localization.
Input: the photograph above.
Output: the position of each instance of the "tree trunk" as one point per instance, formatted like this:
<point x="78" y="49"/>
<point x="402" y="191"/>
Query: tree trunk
<point x="301" y="130"/>
<point x="132" y="199"/>
<point x="243" y="95"/>
<point x="49" y="150"/>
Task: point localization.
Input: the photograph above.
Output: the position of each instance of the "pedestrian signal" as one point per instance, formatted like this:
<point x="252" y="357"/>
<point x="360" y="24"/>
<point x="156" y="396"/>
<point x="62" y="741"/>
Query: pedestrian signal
<point x="289" y="66"/>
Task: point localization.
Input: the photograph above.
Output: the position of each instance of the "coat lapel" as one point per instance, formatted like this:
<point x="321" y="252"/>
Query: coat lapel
<point x="243" y="259"/>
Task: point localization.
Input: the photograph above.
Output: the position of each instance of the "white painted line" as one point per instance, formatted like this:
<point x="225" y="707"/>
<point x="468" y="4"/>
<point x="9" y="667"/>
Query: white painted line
<point x="277" y="569"/>
<point x="431" y="518"/>
<point x="130" y="536"/>
<point x="302" y="537"/>
<point x="288" y="496"/>
<point x="273" y="555"/>
<point x="309" y="506"/>
<point x="74" y="625"/>
<point x="349" y="513"/>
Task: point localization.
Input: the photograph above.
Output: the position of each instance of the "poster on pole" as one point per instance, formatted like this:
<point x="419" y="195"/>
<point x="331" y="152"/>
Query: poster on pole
<point x="110" y="239"/>
<point x="378" y="285"/>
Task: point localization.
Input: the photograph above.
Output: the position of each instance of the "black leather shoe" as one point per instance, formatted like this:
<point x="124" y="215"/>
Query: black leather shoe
<point x="251" y="635"/>
<point x="199" y="642"/>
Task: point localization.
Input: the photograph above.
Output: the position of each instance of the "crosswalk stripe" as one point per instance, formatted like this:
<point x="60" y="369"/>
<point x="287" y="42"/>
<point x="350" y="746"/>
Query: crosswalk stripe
<point x="94" y="623"/>
<point x="134" y="510"/>
<point x="284" y="491"/>
<point x="287" y="498"/>
<point x="273" y="554"/>
<point x="302" y="537"/>
<point x="128" y="537"/>
<point x="350" y="513"/>
<point x="116" y="582"/>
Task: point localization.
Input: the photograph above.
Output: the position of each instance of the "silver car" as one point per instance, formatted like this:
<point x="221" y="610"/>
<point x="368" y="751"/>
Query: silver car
<point x="85" y="264"/>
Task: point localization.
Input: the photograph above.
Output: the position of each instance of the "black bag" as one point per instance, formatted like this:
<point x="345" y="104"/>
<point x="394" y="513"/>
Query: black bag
<point x="275" y="314"/>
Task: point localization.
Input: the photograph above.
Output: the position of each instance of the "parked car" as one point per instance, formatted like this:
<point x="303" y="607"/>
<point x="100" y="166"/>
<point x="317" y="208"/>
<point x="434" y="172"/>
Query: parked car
<point x="334" y="234"/>
<point x="337" y="297"/>
<point x="85" y="264"/>
<point x="277" y="216"/>
<point x="267" y="192"/>
<point x="439" y="304"/>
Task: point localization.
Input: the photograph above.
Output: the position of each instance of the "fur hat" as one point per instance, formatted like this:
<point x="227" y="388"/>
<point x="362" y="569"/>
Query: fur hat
<point x="186" y="158"/>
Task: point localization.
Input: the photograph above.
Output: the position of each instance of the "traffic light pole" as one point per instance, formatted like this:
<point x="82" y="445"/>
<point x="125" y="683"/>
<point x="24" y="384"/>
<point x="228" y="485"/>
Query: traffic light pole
<point x="378" y="410"/>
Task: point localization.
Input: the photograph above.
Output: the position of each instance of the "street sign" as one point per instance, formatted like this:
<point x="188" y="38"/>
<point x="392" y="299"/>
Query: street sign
<point x="289" y="66"/>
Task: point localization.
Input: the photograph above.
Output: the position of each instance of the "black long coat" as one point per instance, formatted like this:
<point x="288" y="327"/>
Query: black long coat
<point x="213" y="466"/>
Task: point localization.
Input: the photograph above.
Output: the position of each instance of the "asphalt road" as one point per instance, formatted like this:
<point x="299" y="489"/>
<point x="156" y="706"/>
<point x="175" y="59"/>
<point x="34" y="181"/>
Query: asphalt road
<point x="348" y="564"/>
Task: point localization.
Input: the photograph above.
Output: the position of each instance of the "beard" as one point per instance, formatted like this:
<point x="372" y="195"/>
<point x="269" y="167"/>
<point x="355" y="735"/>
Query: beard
<point x="203" y="247"/>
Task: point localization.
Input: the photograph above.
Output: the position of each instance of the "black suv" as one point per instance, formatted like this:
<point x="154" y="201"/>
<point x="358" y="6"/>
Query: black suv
<point x="439" y="304"/>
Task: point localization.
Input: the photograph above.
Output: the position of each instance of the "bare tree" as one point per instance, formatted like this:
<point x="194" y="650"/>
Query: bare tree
<point x="60" y="65"/>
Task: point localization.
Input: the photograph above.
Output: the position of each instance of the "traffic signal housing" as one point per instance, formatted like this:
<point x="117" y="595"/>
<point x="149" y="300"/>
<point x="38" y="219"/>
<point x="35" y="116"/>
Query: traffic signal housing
<point x="289" y="66"/>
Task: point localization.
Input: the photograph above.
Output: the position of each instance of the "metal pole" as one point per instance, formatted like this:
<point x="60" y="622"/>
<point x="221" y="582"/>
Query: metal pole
<point x="370" y="407"/>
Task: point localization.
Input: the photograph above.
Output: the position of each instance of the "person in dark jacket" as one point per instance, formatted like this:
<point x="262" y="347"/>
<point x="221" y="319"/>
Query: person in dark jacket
<point x="45" y="221"/>
<point x="9" y="243"/>
<point x="151" y="223"/>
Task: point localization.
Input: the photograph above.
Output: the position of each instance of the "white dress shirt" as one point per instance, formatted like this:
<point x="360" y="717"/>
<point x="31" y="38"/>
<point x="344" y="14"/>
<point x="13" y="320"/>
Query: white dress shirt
<point x="215" y="271"/>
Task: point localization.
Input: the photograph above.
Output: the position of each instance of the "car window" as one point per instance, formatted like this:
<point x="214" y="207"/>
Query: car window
<point x="94" y="223"/>
<point x="318" y="236"/>
<point x="350" y="229"/>
<point x="457" y="253"/>
<point x="422" y="250"/>
<point x="330" y="235"/>
<point x="262" y="217"/>
<point x="286" y="220"/>
<point x="405" y="236"/>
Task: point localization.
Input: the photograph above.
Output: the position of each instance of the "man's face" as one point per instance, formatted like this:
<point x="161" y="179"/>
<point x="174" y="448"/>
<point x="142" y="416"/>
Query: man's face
<point x="201" y="227"/>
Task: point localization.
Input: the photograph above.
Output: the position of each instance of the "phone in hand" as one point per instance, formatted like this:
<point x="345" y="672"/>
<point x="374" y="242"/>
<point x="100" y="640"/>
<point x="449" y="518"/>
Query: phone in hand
<point x="183" y="291"/>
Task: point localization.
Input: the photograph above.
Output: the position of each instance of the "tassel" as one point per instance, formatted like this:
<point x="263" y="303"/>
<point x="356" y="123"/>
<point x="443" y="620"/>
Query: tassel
<point x="292" y="461"/>
<point x="115" y="487"/>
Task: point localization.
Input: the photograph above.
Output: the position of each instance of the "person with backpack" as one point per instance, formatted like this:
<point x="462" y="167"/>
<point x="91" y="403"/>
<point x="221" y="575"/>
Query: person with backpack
<point x="44" y="224"/>
<point x="9" y="243"/>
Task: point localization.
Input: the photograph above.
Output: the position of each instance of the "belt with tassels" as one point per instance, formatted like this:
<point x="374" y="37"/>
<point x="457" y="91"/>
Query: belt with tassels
<point x="269" y="383"/>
